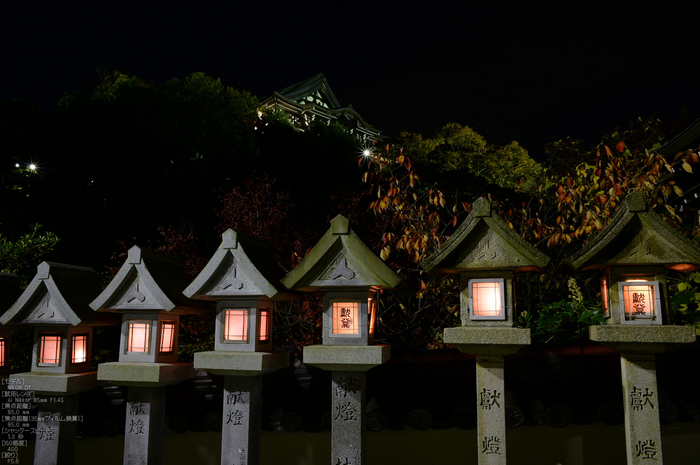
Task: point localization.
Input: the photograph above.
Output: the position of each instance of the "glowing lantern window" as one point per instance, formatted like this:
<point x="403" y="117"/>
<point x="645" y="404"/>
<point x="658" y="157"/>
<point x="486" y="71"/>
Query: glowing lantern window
<point x="264" y="335"/>
<point x="139" y="336"/>
<point x="50" y="349"/>
<point x="372" y="315"/>
<point x="236" y="325"/>
<point x="346" y="316"/>
<point x="167" y="336"/>
<point x="640" y="301"/>
<point x="2" y="351"/>
<point x="487" y="297"/>
<point x="79" y="348"/>
<point x="604" y="296"/>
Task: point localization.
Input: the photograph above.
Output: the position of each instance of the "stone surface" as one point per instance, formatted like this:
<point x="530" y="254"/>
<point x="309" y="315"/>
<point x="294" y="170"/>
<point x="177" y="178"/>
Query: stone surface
<point x="341" y="260"/>
<point x="637" y="235"/>
<point x="144" y="374"/>
<point x="346" y="358"/>
<point x="487" y="340"/>
<point x="348" y="432"/>
<point x="55" y="434"/>
<point x="242" y="266"/>
<point x="484" y="242"/>
<point x="241" y="420"/>
<point x="490" y="404"/>
<point x="641" y="404"/>
<point x="57" y="383"/>
<point x="642" y="339"/>
<point x="145" y="426"/>
<point x="240" y="363"/>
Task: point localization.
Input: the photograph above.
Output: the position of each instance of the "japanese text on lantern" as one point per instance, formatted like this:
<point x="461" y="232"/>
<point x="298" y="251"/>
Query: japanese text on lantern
<point x="346" y="412"/>
<point x="641" y="399"/>
<point x="491" y="445"/>
<point x="488" y="399"/>
<point x="647" y="450"/>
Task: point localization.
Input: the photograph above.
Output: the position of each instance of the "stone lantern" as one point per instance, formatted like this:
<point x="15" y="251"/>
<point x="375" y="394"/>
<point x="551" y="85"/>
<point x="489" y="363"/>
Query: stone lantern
<point x="350" y="275"/>
<point x="486" y="253"/>
<point x="147" y="292"/>
<point x="9" y="292"/>
<point x="55" y="304"/>
<point x="243" y="278"/>
<point x="633" y="252"/>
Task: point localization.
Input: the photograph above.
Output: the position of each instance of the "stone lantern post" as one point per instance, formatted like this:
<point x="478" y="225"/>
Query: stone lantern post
<point x="9" y="293"/>
<point x="349" y="274"/>
<point x="244" y="279"/>
<point x="486" y="252"/>
<point x="147" y="292"/>
<point x="55" y="304"/>
<point x="633" y="252"/>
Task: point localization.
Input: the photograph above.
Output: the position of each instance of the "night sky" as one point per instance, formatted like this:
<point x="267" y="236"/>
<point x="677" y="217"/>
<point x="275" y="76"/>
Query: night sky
<point x="532" y="71"/>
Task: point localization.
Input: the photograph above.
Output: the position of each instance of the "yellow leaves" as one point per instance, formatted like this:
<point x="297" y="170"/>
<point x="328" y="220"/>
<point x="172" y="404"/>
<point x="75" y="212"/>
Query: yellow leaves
<point x="598" y="223"/>
<point x="384" y="254"/>
<point x="678" y="191"/>
<point x="687" y="167"/>
<point x="668" y="167"/>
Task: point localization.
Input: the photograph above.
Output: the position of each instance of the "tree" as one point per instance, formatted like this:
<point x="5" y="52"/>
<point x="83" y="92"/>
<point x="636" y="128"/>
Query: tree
<point x="22" y="256"/>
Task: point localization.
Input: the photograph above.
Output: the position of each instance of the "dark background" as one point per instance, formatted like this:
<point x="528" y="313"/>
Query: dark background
<point x="532" y="71"/>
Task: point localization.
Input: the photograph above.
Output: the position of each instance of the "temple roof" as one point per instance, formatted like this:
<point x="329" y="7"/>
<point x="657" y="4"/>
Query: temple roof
<point x="148" y="280"/>
<point x="637" y="236"/>
<point x="341" y="260"/>
<point x="485" y="242"/>
<point x="242" y="266"/>
<point x="58" y="294"/>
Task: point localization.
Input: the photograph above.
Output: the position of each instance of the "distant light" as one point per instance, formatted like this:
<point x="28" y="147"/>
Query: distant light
<point x="366" y="153"/>
<point x="16" y="165"/>
<point x="32" y="167"/>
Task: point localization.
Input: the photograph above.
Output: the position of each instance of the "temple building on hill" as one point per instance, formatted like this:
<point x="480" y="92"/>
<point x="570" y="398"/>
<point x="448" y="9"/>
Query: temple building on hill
<point x="313" y="100"/>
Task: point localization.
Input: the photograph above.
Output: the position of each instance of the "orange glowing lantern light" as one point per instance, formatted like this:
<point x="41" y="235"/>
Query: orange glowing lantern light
<point x="167" y="336"/>
<point x="236" y="325"/>
<point x="604" y="296"/>
<point x="640" y="302"/>
<point x="372" y="315"/>
<point x="2" y="352"/>
<point x="346" y="316"/>
<point x="79" y="348"/>
<point x="139" y="336"/>
<point x="50" y="349"/>
<point x="487" y="297"/>
<point x="264" y="333"/>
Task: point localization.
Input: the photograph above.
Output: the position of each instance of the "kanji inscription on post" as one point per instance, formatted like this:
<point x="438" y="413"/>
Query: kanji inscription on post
<point x="647" y="450"/>
<point x="235" y="397"/>
<point x="346" y="412"/>
<point x="491" y="445"/>
<point x="489" y="398"/>
<point x="137" y="408"/>
<point x="234" y="417"/>
<point x="137" y="427"/>
<point x="45" y="434"/>
<point x="641" y="399"/>
<point x="347" y="385"/>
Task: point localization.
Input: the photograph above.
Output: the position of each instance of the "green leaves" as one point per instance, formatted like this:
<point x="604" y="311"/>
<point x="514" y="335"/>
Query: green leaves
<point x="22" y="255"/>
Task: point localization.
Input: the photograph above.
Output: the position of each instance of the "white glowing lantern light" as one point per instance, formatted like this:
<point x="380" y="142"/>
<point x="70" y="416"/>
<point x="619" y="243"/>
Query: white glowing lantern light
<point x="50" y="349"/>
<point x="79" y="348"/>
<point x="264" y="333"/>
<point x="236" y="325"/>
<point x="167" y="336"/>
<point x="487" y="297"/>
<point x="2" y="352"/>
<point x="139" y="336"/>
<point x="346" y="316"/>
<point x="640" y="301"/>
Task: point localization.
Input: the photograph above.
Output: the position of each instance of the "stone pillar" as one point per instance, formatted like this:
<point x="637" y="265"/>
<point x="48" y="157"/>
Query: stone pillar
<point x="348" y="434"/>
<point x="145" y="426"/>
<point x="242" y="409"/>
<point x="641" y="401"/>
<point x="491" y="419"/>
<point x="55" y="430"/>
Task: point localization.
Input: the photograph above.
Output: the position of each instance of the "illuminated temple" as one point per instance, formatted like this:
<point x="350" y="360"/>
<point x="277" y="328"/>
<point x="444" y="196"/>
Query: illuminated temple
<point x="313" y="100"/>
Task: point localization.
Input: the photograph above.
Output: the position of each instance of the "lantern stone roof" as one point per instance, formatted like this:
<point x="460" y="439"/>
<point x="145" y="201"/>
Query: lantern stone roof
<point x="485" y="242"/>
<point x="242" y="266"/>
<point x="9" y="290"/>
<point x="637" y="236"/>
<point x="148" y="280"/>
<point x="59" y="294"/>
<point x="341" y="260"/>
